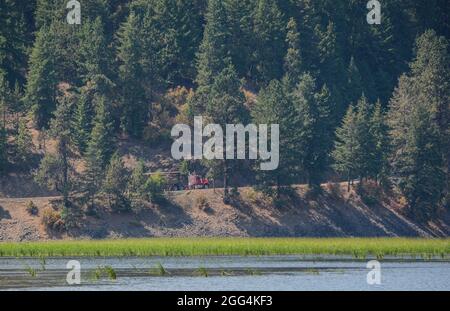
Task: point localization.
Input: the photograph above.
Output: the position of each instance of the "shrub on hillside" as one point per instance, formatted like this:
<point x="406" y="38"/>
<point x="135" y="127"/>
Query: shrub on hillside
<point x="32" y="209"/>
<point x="334" y="189"/>
<point x="155" y="187"/>
<point x="52" y="219"/>
<point x="312" y="193"/>
<point x="370" y="192"/>
<point x="202" y="203"/>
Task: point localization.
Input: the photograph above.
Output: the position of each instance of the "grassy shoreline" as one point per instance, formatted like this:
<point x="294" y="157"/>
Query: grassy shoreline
<point x="356" y="247"/>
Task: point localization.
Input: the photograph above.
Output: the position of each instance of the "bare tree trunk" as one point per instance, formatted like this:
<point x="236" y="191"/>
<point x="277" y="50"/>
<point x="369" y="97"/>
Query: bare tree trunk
<point x="348" y="181"/>
<point x="65" y="173"/>
<point x="225" y="182"/>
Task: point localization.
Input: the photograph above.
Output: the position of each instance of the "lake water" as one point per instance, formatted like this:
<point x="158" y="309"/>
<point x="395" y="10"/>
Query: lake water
<point x="228" y="273"/>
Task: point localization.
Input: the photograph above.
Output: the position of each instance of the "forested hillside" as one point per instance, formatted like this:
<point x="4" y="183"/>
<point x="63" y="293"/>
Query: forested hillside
<point x="354" y="101"/>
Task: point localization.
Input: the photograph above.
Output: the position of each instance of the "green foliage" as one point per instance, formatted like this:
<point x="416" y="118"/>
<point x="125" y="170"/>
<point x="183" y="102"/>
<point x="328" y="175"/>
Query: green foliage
<point x="355" y="83"/>
<point x="155" y="187"/>
<point x="115" y="183"/>
<point x="379" y="132"/>
<point x="356" y="144"/>
<point x="16" y="36"/>
<point x="184" y="168"/>
<point x="269" y="34"/>
<point x="137" y="188"/>
<point x="56" y="170"/>
<point x="214" y="53"/>
<point x="275" y="107"/>
<point x="293" y="59"/>
<point x="23" y="142"/>
<point x="102" y="140"/>
<point x="346" y="145"/>
<point x="313" y="107"/>
<point x="363" y="247"/>
<point x="41" y="92"/>
<point x="134" y="109"/>
<point x="82" y="121"/>
<point x="93" y="53"/>
<point x="142" y="188"/>
<point x="126" y="54"/>
<point x="32" y="209"/>
<point x="225" y="105"/>
<point x="3" y="149"/>
<point x="99" y="149"/>
<point x="52" y="219"/>
<point x="240" y="30"/>
<point x="418" y="119"/>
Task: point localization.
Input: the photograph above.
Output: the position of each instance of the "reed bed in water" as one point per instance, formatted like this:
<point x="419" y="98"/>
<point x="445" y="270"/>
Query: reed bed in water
<point x="356" y="247"/>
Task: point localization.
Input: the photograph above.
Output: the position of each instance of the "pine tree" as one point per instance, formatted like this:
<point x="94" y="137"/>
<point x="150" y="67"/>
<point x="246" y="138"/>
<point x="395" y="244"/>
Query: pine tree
<point x="3" y="148"/>
<point x="431" y="72"/>
<point x="5" y="97"/>
<point x="47" y="11"/>
<point x="114" y="184"/>
<point x="314" y="107"/>
<point x="41" y="92"/>
<point x="93" y="52"/>
<point x="418" y="119"/>
<point x="355" y="83"/>
<point x="214" y="55"/>
<point x="331" y="67"/>
<point x="363" y="155"/>
<point x="134" y="108"/>
<point x="188" y="18"/>
<point x="269" y="32"/>
<point x="239" y="14"/>
<point x="16" y="35"/>
<point x="155" y="187"/>
<point x="423" y="177"/>
<point x="102" y="138"/>
<point x="56" y="171"/>
<point x="17" y="105"/>
<point x="346" y="145"/>
<point x="98" y="152"/>
<point x="292" y="60"/>
<point x="275" y="107"/>
<point x="136" y="188"/>
<point x="82" y="120"/>
<point x="225" y="105"/>
<point x="379" y="133"/>
<point x="99" y="148"/>
<point x="173" y="31"/>
<point x="93" y="174"/>
<point x="23" y="142"/>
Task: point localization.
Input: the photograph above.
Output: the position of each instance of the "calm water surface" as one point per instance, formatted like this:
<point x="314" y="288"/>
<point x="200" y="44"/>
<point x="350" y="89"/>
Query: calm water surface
<point x="230" y="273"/>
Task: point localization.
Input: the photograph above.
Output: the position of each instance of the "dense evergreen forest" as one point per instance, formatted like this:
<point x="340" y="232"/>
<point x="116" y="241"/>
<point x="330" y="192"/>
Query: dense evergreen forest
<point x="362" y="102"/>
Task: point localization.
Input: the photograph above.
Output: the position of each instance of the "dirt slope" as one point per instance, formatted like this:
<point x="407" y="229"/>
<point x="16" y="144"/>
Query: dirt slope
<point x="251" y="215"/>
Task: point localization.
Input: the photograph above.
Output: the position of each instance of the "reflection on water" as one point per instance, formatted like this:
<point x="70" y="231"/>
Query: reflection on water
<point x="224" y="273"/>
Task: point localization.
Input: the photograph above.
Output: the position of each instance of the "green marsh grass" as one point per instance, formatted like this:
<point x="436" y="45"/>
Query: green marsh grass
<point x="253" y="272"/>
<point x="202" y="272"/>
<point x="159" y="270"/>
<point x="104" y="271"/>
<point x="359" y="248"/>
<point x="43" y="262"/>
<point x="31" y="271"/>
<point x="110" y="272"/>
